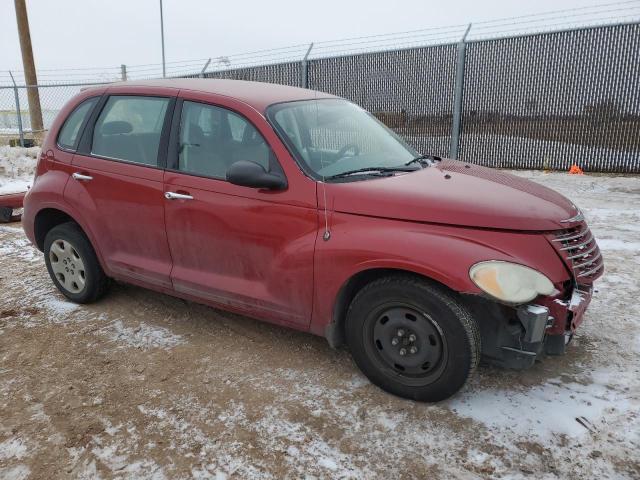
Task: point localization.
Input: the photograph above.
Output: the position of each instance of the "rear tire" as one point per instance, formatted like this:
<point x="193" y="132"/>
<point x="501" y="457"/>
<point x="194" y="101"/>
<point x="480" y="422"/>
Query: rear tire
<point x="73" y="265"/>
<point x="412" y="338"/>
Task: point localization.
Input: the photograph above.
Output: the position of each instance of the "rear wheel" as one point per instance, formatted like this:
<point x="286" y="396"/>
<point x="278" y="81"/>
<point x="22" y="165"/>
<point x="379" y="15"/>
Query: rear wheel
<point x="412" y="338"/>
<point x="73" y="265"/>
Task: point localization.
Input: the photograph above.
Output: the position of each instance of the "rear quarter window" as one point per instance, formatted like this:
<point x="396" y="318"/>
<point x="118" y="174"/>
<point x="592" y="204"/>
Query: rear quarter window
<point x="70" y="132"/>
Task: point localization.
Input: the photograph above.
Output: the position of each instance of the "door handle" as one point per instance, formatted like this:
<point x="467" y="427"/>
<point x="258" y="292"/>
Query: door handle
<point x="177" y="196"/>
<point x="81" y="177"/>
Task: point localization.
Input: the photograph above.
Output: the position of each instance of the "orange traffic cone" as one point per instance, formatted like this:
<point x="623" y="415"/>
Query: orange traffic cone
<point x="575" y="170"/>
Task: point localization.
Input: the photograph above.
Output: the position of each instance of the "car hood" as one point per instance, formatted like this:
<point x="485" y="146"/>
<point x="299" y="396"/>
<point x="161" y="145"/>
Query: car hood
<point x="455" y="193"/>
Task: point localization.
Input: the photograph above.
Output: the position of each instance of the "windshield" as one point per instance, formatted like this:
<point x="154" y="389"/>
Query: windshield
<point x="331" y="137"/>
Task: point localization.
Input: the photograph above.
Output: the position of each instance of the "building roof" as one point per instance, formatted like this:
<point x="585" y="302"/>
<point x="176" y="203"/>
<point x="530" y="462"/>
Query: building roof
<point x="257" y="94"/>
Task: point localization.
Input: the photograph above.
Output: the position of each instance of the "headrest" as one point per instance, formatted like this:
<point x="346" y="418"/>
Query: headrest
<point x="116" y="128"/>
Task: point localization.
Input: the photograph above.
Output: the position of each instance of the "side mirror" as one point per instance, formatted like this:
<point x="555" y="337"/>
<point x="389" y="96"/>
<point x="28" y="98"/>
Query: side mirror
<point x="251" y="174"/>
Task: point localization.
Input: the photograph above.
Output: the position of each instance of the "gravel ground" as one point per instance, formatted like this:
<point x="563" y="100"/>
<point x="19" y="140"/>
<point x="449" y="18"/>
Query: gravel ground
<point x="142" y="385"/>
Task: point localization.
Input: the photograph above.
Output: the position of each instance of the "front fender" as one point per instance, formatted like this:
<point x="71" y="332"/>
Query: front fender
<point x="439" y="252"/>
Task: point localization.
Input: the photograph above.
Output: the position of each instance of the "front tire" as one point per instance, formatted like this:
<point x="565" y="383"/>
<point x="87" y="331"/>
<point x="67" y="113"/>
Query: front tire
<point x="412" y="338"/>
<point x="73" y="265"/>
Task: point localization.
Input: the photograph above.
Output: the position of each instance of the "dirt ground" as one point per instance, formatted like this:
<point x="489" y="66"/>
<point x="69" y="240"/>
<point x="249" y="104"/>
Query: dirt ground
<point x="142" y="385"/>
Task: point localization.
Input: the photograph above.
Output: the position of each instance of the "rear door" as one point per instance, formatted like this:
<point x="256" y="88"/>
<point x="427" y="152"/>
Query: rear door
<point x="242" y="248"/>
<point x="117" y="183"/>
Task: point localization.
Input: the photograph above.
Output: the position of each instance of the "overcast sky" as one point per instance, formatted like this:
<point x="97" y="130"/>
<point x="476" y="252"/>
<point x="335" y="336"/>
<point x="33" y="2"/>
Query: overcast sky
<point x="107" y="33"/>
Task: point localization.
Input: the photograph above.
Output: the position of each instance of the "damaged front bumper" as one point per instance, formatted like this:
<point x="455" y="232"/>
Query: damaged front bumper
<point x="516" y="337"/>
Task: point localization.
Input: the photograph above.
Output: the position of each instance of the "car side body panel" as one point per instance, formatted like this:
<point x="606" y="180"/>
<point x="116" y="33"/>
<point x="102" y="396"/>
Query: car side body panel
<point x="254" y="254"/>
<point x="125" y="203"/>
<point x="439" y="252"/>
<point x="266" y="253"/>
<point x="250" y="249"/>
<point x="126" y="206"/>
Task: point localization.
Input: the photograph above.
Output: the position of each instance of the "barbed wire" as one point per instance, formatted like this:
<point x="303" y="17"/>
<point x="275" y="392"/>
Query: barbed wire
<point x="593" y="15"/>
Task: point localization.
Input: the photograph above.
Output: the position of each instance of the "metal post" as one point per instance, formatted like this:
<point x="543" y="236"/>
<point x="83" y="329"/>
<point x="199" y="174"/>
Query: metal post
<point x="304" y="68"/>
<point x="164" y="70"/>
<point x="123" y="71"/>
<point x="206" y="65"/>
<point x="457" y="101"/>
<point x="15" y="92"/>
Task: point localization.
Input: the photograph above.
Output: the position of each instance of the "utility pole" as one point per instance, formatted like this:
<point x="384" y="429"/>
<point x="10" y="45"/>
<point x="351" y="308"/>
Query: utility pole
<point x="164" y="70"/>
<point x="35" y="112"/>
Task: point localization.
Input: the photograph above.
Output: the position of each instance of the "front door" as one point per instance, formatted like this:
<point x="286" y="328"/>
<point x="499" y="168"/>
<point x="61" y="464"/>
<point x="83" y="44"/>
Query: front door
<point x="241" y="248"/>
<point x="117" y="187"/>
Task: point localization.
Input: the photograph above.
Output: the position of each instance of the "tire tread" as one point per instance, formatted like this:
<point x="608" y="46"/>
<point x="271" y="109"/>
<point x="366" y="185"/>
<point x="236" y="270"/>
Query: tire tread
<point x="101" y="281"/>
<point x="449" y="298"/>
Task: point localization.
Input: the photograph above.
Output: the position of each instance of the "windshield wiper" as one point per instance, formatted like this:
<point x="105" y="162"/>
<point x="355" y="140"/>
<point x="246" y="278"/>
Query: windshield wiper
<point x="371" y="171"/>
<point x="422" y="160"/>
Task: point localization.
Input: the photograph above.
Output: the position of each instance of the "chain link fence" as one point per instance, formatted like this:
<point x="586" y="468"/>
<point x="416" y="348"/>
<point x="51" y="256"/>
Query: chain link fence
<point x="411" y="90"/>
<point x="14" y="106"/>
<point x="553" y="100"/>
<point x="534" y="101"/>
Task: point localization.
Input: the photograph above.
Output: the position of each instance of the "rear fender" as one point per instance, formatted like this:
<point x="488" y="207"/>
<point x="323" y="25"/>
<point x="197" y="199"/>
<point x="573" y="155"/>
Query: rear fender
<point x="58" y="204"/>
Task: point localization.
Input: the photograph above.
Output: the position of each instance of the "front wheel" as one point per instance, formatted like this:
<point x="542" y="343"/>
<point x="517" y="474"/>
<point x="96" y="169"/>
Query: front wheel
<point x="412" y="338"/>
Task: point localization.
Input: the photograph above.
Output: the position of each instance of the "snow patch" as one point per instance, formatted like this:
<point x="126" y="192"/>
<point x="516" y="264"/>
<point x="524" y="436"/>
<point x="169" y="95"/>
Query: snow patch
<point x="18" y="247"/>
<point x="12" y="448"/>
<point x="17" y="167"/>
<point x="58" y="307"/>
<point x="614" y="244"/>
<point x="555" y="407"/>
<point x="142" y="336"/>
<point x="19" y="472"/>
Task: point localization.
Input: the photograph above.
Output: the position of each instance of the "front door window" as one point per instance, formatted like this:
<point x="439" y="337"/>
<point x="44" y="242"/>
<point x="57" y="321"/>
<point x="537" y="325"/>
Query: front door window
<point x="212" y="138"/>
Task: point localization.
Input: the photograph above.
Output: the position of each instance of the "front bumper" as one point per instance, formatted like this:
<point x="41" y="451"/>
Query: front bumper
<point x="516" y="337"/>
<point x="547" y="328"/>
<point x="570" y="313"/>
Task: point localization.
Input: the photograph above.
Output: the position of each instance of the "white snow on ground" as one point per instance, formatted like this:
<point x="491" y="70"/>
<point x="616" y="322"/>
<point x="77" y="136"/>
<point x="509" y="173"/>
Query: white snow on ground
<point x="142" y="335"/>
<point x="544" y="411"/>
<point x="17" y="167"/>
<point x="615" y="244"/>
<point x="12" y="448"/>
<point x="59" y="310"/>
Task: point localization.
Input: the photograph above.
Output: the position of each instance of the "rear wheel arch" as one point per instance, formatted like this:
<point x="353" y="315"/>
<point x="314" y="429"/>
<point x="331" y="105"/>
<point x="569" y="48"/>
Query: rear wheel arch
<point x="334" y="331"/>
<point x="45" y="220"/>
<point x="51" y="217"/>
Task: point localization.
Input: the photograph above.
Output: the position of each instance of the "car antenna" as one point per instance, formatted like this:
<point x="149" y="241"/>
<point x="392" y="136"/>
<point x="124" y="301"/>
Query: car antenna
<point x="327" y="233"/>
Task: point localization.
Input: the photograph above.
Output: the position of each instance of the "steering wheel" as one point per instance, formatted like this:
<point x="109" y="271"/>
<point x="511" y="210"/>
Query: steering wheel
<point x="351" y="146"/>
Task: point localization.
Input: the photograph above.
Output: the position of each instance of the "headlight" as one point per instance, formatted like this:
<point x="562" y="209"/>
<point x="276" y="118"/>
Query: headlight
<point x="510" y="282"/>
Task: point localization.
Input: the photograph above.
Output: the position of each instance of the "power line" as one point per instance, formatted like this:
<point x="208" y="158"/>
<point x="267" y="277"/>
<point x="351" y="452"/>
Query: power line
<point x="555" y="12"/>
<point x="579" y="16"/>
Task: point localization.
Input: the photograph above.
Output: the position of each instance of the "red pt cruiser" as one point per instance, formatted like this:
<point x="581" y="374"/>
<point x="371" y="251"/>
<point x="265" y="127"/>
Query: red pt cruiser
<point x="301" y="209"/>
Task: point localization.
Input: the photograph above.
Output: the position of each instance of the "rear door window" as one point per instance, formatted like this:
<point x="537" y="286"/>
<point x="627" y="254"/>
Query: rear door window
<point x="70" y="132"/>
<point x="129" y="128"/>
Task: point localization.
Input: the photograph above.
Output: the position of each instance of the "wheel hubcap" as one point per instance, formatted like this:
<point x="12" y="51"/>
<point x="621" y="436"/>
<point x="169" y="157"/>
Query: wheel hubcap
<point x="67" y="266"/>
<point x="408" y="341"/>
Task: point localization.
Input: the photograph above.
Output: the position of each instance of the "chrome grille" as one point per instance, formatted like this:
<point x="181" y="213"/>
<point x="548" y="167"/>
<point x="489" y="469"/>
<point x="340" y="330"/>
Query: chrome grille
<point x="579" y="249"/>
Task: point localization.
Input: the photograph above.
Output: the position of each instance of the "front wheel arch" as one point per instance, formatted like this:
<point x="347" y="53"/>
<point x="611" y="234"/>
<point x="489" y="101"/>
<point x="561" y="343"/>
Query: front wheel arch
<point x="334" y="331"/>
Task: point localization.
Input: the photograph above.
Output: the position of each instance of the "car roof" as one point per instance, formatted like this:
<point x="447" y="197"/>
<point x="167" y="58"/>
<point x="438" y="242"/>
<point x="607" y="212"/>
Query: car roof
<point x="257" y="94"/>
